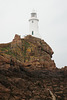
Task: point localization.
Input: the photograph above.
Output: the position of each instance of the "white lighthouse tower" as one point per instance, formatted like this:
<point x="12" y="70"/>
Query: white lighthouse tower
<point x="33" y="25"/>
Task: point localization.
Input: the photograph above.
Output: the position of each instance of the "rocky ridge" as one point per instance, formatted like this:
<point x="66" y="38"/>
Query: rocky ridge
<point x="27" y="71"/>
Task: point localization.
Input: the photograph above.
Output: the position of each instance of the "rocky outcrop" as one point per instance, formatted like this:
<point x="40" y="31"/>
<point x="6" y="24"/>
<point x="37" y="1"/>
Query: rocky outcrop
<point x="16" y="42"/>
<point x="40" y="43"/>
<point x="17" y="82"/>
<point x="27" y="71"/>
<point x="31" y="51"/>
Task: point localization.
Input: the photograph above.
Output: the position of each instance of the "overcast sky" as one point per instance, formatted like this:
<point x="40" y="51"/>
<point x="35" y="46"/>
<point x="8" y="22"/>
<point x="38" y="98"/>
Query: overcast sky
<point x="52" y="14"/>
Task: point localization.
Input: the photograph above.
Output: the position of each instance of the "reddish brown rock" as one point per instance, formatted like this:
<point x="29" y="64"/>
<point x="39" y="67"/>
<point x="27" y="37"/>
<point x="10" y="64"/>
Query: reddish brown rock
<point x="40" y="43"/>
<point x="27" y="71"/>
<point x="20" y="82"/>
<point x="16" y="42"/>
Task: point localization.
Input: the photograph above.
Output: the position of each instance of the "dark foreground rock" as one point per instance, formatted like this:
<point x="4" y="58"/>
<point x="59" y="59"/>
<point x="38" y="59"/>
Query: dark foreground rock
<point x="20" y="83"/>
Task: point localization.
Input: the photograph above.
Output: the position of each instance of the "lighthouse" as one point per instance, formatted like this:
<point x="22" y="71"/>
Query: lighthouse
<point x="33" y="25"/>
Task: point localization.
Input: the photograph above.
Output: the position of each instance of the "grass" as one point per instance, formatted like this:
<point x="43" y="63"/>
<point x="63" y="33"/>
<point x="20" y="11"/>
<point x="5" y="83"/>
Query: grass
<point x="25" y="45"/>
<point x="4" y="48"/>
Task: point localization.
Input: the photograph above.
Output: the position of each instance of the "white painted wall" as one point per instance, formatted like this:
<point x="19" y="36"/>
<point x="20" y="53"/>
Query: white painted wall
<point x="33" y="26"/>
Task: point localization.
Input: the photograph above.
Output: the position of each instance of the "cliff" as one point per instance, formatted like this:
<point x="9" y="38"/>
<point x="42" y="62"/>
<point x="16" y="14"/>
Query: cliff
<point x="27" y="71"/>
<point x="30" y="51"/>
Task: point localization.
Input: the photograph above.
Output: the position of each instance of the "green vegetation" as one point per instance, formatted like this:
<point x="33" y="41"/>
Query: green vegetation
<point x="10" y="53"/>
<point x="25" y="45"/>
<point x="5" y="48"/>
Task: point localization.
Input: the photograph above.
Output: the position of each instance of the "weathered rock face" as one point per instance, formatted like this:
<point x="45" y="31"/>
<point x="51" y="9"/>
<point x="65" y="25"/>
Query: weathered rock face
<point x="41" y="44"/>
<point x="28" y="73"/>
<point x="31" y="51"/>
<point x="16" y="42"/>
<point x="20" y="83"/>
<point x="39" y="53"/>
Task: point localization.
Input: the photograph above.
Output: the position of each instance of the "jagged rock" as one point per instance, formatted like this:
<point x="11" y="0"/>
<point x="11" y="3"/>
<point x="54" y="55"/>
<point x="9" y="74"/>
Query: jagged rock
<point x="28" y="73"/>
<point x="16" y="42"/>
<point x="29" y="50"/>
<point x="40" y="43"/>
<point x="19" y="82"/>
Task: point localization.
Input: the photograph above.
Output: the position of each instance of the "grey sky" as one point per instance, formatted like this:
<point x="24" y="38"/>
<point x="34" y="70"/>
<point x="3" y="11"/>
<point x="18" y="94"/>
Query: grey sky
<point x="52" y="14"/>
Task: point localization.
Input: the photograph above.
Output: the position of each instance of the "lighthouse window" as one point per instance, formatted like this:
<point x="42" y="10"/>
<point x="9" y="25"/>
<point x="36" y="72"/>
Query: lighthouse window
<point x="32" y="21"/>
<point x="33" y="14"/>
